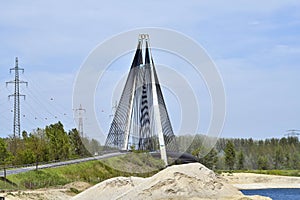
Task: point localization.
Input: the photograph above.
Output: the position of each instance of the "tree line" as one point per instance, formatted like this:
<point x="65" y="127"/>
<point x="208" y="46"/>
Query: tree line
<point x="51" y="143"/>
<point x="240" y="153"/>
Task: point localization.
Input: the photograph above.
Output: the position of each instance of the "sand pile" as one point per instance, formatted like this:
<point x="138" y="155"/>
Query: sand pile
<point x="78" y="185"/>
<point x="189" y="181"/>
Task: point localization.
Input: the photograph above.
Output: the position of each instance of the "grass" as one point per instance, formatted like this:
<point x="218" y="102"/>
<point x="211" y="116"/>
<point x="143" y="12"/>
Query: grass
<point x="280" y="172"/>
<point x="135" y="162"/>
<point x="92" y="172"/>
<point x="6" y="186"/>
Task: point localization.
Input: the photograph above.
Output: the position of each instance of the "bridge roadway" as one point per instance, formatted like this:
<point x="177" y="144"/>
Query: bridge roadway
<point x="57" y="164"/>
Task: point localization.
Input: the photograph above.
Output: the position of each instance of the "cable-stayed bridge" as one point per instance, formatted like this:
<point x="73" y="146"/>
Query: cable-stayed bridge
<point x="141" y="120"/>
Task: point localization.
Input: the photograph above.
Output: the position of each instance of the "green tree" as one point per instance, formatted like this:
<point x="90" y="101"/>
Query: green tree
<point x="34" y="148"/>
<point x="38" y="146"/>
<point x="24" y="135"/>
<point x="240" y="164"/>
<point x="77" y="146"/>
<point x="229" y="155"/>
<point x="14" y="144"/>
<point x="262" y="163"/>
<point x="295" y="157"/>
<point x="59" y="143"/>
<point x="296" y="161"/>
<point x="24" y="156"/>
<point x="209" y="159"/>
<point x="281" y="153"/>
<point x="95" y="147"/>
<point x="287" y="160"/>
<point x="278" y="157"/>
<point x="5" y="155"/>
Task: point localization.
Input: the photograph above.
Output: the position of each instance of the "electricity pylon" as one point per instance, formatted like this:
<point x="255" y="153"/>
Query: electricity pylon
<point x="292" y="133"/>
<point x="16" y="95"/>
<point x="80" y="112"/>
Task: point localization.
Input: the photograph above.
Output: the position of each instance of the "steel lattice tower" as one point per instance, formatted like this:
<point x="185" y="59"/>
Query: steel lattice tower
<point x="141" y="120"/>
<point x="80" y="111"/>
<point x="16" y="95"/>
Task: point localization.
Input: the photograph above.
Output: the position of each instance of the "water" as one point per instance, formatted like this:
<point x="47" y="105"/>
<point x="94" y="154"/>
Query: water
<point x="276" y="194"/>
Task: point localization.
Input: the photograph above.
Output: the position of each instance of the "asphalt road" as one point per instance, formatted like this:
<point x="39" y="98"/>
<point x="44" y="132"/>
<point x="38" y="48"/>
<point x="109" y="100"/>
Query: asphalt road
<point x="57" y="164"/>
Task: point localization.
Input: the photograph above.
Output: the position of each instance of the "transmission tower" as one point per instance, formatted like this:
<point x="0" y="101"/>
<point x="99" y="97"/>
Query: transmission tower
<point x="292" y="133"/>
<point x="80" y="112"/>
<point x="16" y="95"/>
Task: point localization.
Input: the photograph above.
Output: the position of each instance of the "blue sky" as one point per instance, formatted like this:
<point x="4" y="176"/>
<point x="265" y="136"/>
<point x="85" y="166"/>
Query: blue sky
<point x="255" y="45"/>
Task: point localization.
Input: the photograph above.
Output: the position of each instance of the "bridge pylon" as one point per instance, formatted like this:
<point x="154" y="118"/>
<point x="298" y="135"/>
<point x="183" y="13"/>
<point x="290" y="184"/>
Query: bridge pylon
<point x="141" y="120"/>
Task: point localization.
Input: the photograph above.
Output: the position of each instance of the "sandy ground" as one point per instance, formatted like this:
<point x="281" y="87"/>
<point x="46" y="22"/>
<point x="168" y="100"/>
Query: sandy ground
<point x="191" y="181"/>
<point x="62" y="193"/>
<point x="261" y="181"/>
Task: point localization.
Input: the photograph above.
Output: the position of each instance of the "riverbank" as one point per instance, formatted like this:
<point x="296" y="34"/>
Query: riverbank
<point x="249" y="181"/>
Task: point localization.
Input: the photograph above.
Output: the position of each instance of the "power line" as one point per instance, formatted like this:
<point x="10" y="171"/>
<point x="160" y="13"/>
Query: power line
<point x="49" y="105"/>
<point x="16" y="95"/>
<point x="36" y="91"/>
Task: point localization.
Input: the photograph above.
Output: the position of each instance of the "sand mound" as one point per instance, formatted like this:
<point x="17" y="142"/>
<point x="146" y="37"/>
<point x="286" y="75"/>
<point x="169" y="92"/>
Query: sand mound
<point x="79" y="185"/>
<point x="189" y="181"/>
